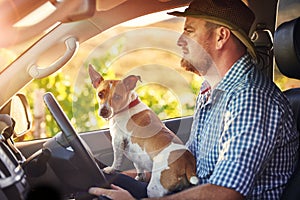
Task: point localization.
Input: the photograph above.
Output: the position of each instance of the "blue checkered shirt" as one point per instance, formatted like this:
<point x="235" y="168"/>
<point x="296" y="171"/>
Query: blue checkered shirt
<point x="243" y="135"/>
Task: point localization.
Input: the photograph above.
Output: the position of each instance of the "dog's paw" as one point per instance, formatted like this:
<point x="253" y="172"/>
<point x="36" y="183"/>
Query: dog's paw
<point x="108" y="170"/>
<point x="140" y="177"/>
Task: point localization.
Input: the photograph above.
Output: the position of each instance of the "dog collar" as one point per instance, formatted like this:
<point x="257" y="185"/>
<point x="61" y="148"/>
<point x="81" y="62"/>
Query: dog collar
<point x="132" y="104"/>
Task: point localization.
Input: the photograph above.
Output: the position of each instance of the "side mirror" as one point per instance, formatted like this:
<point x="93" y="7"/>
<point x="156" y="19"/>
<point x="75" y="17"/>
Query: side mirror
<point x="18" y="109"/>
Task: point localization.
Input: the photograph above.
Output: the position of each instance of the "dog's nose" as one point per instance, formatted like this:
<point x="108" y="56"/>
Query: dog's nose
<point x="104" y="112"/>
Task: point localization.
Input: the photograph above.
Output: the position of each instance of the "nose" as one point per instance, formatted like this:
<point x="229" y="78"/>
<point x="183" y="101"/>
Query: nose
<point x="181" y="41"/>
<point x="104" y="112"/>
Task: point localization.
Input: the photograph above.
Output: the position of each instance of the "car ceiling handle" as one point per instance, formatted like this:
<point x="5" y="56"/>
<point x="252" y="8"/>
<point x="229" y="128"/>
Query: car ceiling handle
<point x="36" y="72"/>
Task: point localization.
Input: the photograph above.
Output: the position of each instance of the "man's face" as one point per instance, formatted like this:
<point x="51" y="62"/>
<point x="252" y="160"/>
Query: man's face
<point x="196" y="43"/>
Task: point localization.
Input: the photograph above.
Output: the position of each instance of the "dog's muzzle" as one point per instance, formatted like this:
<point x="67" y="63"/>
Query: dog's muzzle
<point x="105" y="112"/>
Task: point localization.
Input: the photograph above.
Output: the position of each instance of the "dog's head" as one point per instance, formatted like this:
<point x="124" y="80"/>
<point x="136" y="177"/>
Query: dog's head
<point x="113" y="95"/>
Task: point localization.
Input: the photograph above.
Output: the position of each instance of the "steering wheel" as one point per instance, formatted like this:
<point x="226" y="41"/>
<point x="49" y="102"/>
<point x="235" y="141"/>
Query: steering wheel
<point x="93" y="176"/>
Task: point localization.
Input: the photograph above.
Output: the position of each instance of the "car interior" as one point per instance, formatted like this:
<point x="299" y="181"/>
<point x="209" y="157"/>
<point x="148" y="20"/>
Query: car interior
<point x="71" y="162"/>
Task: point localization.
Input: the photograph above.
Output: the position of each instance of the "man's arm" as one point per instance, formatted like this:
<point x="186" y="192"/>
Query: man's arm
<point x="205" y="192"/>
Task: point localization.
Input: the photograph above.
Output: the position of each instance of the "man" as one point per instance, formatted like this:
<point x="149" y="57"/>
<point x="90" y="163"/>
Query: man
<point x="243" y="136"/>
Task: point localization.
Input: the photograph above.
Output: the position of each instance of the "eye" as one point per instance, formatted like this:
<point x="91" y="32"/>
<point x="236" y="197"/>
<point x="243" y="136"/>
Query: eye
<point x="101" y="95"/>
<point x="188" y="30"/>
<point x="117" y="97"/>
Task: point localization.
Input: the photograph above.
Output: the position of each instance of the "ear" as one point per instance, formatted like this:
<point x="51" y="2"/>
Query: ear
<point x="96" y="78"/>
<point x="223" y="35"/>
<point x="130" y="81"/>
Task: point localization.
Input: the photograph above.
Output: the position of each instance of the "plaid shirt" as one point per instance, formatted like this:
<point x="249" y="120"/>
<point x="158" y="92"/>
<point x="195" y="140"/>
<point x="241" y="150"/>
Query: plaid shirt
<point x="243" y="135"/>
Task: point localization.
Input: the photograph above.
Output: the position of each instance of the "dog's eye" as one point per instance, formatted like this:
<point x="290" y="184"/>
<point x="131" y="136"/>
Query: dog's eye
<point x="101" y="95"/>
<point x="116" y="97"/>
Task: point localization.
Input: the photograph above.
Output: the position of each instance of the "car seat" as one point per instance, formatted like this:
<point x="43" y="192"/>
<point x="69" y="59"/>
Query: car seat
<point x="287" y="57"/>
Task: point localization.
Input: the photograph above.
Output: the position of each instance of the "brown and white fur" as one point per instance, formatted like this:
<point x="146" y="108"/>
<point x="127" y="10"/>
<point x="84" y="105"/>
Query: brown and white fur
<point x="139" y="134"/>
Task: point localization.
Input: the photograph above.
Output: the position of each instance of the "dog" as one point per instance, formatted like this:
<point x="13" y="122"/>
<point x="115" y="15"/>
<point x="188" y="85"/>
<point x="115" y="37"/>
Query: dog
<point x="138" y="133"/>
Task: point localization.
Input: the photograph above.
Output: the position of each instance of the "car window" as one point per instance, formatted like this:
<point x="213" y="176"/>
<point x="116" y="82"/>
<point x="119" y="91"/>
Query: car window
<point x="145" y="47"/>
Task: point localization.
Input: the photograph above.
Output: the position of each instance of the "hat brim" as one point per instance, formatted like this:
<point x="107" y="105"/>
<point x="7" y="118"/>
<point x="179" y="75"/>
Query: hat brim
<point x="239" y="33"/>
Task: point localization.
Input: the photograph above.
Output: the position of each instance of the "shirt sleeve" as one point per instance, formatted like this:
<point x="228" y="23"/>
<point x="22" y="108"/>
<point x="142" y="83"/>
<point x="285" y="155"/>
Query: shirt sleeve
<point x="247" y="140"/>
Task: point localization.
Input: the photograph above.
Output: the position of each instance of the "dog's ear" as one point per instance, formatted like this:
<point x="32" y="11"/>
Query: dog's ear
<point x="130" y="81"/>
<point x="96" y="78"/>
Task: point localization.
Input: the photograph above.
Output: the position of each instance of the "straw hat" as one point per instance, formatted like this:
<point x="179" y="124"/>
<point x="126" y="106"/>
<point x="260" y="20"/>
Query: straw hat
<point x="233" y="14"/>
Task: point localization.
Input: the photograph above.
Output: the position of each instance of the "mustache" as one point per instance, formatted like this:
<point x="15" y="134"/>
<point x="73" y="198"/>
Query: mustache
<point x="190" y="67"/>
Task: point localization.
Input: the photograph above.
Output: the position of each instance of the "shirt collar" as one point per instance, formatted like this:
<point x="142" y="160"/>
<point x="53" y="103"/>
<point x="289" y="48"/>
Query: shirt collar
<point x="205" y="87"/>
<point x="235" y="73"/>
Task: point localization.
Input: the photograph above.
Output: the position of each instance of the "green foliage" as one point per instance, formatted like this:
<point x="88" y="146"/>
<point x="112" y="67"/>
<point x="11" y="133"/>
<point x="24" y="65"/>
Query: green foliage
<point x="160" y="100"/>
<point x="196" y="84"/>
<point x="280" y="80"/>
<point x="60" y="87"/>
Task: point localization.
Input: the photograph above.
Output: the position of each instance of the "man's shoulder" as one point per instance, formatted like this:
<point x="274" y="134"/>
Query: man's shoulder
<point x="255" y="86"/>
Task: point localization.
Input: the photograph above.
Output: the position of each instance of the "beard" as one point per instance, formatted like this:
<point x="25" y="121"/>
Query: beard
<point x="191" y="68"/>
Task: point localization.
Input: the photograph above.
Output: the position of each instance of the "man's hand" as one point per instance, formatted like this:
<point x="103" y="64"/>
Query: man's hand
<point x="114" y="193"/>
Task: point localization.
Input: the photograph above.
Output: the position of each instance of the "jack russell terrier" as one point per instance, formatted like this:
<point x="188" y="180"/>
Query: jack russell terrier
<point x="139" y="134"/>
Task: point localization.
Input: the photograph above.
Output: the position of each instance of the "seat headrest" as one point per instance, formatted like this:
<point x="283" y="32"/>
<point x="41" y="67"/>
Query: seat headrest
<point x="287" y="48"/>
